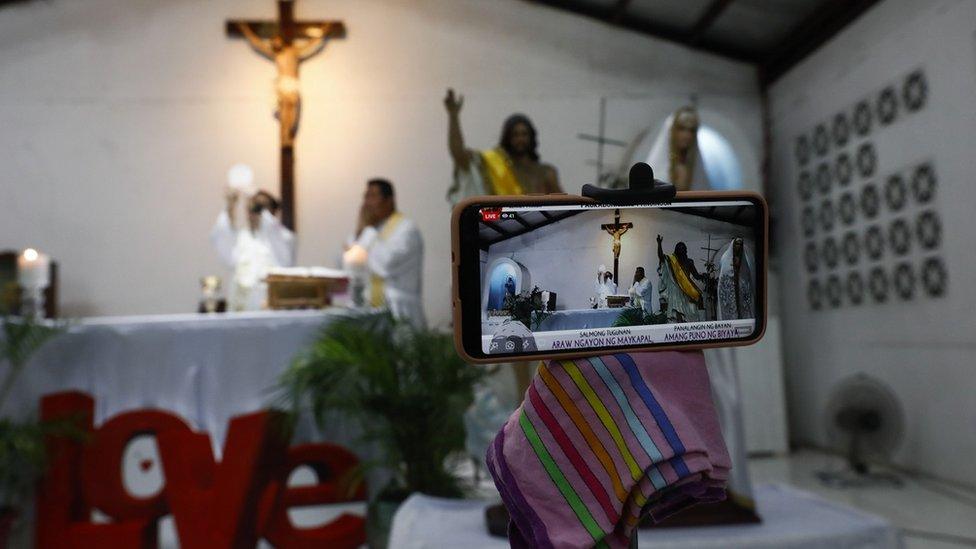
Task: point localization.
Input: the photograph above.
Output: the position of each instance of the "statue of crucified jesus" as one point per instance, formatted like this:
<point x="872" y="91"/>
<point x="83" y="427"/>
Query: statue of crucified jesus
<point x="287" y="57"/>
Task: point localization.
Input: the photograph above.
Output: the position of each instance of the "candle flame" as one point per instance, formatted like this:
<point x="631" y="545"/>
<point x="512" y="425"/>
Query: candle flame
<point x="30" y="254"/>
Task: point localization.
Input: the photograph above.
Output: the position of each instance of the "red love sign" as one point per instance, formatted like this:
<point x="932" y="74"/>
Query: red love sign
<point x="230" y="504"/>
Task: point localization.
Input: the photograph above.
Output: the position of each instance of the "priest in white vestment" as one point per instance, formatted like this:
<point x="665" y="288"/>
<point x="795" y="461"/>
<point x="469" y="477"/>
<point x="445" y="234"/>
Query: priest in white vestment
<point x="603" y="286"/>
<point x="250" y="251"/>
<point x="394" y="252"/>
<point x="641" y="292"/>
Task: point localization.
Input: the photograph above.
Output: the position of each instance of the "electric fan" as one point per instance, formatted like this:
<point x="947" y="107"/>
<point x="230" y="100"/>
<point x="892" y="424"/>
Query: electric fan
<point x="864" y="421"/>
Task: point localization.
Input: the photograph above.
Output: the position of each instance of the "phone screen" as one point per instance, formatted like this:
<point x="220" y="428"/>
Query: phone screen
<point x="575" y="277"/>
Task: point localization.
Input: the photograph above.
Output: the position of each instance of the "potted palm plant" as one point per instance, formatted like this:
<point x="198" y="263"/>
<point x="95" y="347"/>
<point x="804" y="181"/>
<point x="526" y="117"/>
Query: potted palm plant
<point x="22" y="447"/>
<point x="406" y="387"/>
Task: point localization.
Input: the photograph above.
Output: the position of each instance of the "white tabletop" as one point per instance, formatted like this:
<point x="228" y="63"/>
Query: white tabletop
<point x="792" y="519"/>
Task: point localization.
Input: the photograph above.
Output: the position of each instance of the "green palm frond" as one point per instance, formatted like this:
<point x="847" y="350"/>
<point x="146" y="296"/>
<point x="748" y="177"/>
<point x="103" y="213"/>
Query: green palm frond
<point x="23" y="452"/>
<point x="407" y="388"/>
<point x="635" y="316"/>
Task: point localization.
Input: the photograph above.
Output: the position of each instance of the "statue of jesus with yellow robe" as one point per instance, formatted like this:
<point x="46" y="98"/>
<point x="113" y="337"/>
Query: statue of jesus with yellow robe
<point x="677" y="284"/>
<point x="511" y="168"/>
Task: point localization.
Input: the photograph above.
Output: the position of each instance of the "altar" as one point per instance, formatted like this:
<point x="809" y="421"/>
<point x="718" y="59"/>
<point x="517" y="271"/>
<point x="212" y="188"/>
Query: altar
<point x="580" y="319"/>
<point x="205" y="368"/>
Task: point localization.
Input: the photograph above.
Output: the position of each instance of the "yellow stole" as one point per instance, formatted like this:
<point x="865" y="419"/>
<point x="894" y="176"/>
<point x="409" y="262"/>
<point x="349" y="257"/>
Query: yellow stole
<point x="377" y="297"/>
<point x="499" y="173"/>
<point x="681" y="277"/>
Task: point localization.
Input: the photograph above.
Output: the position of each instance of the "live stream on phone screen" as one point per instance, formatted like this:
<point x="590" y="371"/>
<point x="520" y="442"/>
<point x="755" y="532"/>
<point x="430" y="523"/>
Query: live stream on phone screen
<point x="564" y="277"/>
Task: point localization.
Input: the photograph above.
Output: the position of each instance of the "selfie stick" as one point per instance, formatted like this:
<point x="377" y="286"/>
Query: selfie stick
<point x="643" y="189"/>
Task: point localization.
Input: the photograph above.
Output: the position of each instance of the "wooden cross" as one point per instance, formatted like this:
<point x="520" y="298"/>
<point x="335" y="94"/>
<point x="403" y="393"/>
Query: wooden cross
<point x="616" y="230"/>
<point x="287" y="42"/>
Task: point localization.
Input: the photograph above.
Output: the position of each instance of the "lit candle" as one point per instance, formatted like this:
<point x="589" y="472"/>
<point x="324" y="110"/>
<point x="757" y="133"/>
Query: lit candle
<point x="33" y="269"/>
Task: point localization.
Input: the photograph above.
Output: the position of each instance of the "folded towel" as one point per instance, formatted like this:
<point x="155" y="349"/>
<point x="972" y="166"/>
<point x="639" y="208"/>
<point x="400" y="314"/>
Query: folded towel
<point x="600" y="442"/>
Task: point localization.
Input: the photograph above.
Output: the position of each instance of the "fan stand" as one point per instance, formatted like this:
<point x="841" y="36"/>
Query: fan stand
<point x="858" y="473"/>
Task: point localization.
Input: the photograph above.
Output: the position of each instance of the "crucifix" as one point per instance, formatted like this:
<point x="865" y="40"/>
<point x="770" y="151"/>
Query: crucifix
<point x="288" y="43"/>
<point x="616" y="230"/>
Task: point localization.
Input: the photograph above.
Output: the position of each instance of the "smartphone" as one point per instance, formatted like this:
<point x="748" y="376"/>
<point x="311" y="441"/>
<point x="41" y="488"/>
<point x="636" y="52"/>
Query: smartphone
<point x="550" y="276"/>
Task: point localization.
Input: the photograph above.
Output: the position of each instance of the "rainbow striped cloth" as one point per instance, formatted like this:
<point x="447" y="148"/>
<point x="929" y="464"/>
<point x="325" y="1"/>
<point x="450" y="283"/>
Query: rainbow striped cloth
<point x="600" y="442"/>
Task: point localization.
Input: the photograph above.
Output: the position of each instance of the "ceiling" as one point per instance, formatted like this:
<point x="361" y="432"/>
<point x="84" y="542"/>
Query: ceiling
<point x="493" y="232"/>
<point x="772" y="34"/>
<point x="518" y="224"/>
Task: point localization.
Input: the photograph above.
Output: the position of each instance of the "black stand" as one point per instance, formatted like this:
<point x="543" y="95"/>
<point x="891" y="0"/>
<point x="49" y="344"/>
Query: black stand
<point x="643" y="189"/>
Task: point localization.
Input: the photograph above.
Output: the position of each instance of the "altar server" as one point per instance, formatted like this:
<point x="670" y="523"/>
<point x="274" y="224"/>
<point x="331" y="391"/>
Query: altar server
<point x="394" y="253"/>
<point x="250" y="251"/>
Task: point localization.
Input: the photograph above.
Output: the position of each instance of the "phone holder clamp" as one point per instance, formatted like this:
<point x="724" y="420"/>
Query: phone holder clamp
<point x="643" y="189"/>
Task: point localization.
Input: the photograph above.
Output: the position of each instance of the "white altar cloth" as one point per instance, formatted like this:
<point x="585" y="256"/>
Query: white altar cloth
<point x="792" y="519"/>
<point x="204" y="368"/>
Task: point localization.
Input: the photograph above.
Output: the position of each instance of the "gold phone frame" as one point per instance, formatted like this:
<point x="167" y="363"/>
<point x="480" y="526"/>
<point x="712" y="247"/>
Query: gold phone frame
<point x="557" y="199"/>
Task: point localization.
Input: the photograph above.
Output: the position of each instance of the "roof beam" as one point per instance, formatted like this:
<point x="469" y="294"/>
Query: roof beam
<point x="550" y="219"/>
<point x="809" y="35"/>
<point x="493" y="226"/>
<point x="610" y="16"/>
<point x="707" y="19"/>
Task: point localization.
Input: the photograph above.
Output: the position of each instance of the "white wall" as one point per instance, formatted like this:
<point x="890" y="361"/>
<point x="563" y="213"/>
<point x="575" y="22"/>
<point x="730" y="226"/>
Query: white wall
<point x="923" y="348"/>
<point x="563" y="257"/>
<point x="119" y="119"/>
